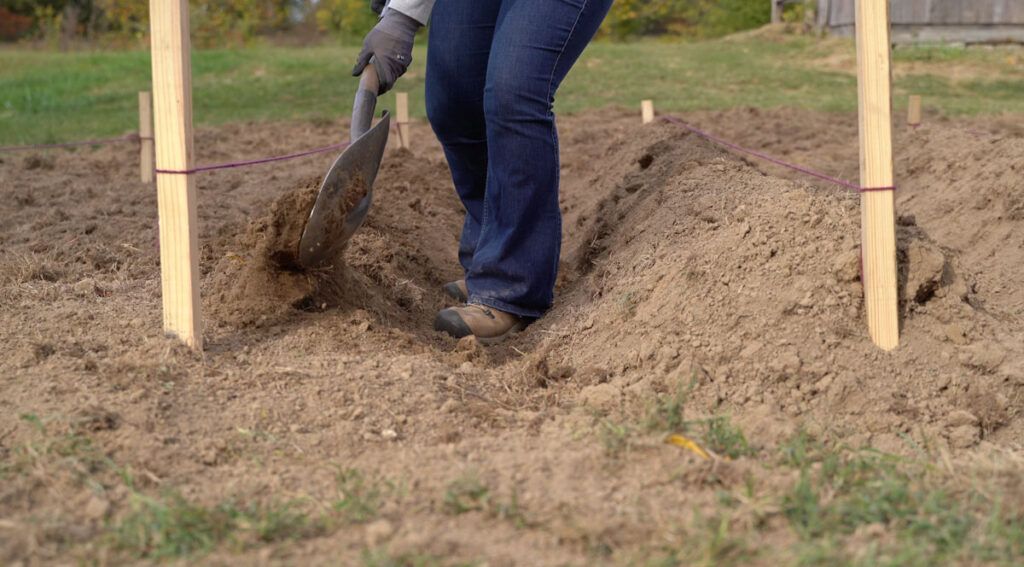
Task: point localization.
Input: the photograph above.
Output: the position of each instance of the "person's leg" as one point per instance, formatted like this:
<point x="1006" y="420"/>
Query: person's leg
<point x="461" y="32"/>
<point x="535" y="44"/>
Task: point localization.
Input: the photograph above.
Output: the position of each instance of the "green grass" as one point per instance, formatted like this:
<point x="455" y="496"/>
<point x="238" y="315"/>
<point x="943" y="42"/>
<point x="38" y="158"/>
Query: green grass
<point x="171" y="527"/>
<point x="49" y="96"/>
<point x="359" y="499"/>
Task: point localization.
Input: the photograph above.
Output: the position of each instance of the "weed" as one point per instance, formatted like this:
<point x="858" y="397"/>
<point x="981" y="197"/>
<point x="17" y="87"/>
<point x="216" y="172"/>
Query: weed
<point x="668" y="411"/>
<point x="724" y="438"/>
<point x="614" y="437"/>
<point x="359" y="500"/>
<point x="466" y="494"/>
<point x="627" y="303"/>
<point x="839" y="491"/>
<point x="510" y="511"/>
<point x="381" y="558"/>
<point x="69" y="451"/>
<point x="709" y="541"/>
<point x="174" y="527"/>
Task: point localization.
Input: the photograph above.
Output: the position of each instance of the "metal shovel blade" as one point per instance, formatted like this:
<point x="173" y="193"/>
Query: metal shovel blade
<point x="345" y="197"/>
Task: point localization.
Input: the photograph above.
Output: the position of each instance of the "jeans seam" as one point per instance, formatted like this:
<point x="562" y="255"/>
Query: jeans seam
<point x="551" y="112"/>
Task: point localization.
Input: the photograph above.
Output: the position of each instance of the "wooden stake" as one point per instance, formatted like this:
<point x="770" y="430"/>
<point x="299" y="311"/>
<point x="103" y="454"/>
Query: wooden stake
<point x="776" y="11"/>
<point x="647" y="111"/>
<point x="878" y="215"/>
<point x="176" y="193"/>
<point x="402" y="110"/>
<point x="146" y="136"/>
<point x="914" y="110"/>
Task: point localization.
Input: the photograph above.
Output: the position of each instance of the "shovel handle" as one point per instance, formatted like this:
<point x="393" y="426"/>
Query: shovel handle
<point x="366" y="102"/>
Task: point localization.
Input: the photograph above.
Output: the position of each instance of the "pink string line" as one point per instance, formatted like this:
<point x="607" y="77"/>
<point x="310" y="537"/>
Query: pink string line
<point x="244" y="163"/>
<point x="776" y="161"/>
<point x="97" y="142"/>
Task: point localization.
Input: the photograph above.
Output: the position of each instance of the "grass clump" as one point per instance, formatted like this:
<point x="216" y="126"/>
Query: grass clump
<point x="172" y="527"/>
<point x="470" y="494"/>
<point x="725" y="439"/>
<point x="359" y="499"/>
<point x="466" y="494"/>
<point x="668" y="412"/>
<point x="668" y="415"/>
<point x="614" y="437"/>
<point x="915" y="513"/>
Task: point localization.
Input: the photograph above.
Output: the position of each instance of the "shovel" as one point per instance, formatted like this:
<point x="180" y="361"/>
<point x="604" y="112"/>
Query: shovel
<point x="347" y="190"/>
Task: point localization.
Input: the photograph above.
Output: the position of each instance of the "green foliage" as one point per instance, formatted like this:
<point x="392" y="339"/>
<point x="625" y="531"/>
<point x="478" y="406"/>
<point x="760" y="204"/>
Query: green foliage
<point x="466" y="494"/>
<point x="381" y="558"/>
<point x="174" y="527"/>
<point x="213" y="22"/>
<point x="348" y="19"/>
<point x="725" y="439"/>
<point x="667" y="413"/>
<point x="614" y="437"/>
<point x="359" y="499"/>
<point x="634" y="18"/>
<point x="721" y="17"/>
<point x="687" y="18"/>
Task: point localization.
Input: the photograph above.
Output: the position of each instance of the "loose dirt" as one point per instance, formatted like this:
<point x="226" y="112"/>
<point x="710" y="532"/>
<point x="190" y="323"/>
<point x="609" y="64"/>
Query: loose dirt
<point x="683" y="267"/>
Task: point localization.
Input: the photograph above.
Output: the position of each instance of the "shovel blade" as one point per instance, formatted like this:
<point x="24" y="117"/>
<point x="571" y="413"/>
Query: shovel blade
<point x="344" y="198"/>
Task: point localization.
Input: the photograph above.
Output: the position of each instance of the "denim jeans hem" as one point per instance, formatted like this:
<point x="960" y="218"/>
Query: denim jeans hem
<point x="506" y="307"/>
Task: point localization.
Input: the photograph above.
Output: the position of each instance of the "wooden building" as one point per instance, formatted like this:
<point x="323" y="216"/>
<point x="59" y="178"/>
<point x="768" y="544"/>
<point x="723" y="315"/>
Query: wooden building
<point x="934" y="21"/>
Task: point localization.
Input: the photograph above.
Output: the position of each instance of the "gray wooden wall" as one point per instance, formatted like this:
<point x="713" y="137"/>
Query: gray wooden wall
<point x="968" y="21"/>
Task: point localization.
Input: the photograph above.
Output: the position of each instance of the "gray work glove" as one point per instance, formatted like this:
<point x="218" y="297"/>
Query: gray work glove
<point x="377" y="6"/>
<point x="389" y="46"/>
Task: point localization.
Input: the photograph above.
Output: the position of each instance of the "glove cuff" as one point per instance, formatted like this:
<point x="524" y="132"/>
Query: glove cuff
<point x="398" y="24"/>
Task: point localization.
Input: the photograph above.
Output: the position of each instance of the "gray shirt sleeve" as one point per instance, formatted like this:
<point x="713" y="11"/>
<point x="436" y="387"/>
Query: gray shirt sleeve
<point x="418" y="10"/>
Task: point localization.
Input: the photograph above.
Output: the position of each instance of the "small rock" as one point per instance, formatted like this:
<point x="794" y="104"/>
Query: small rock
<point x="786" y="363"/>
<point x="958" y="418"/>
<point x="389" y="434"/>
<point x="751" y="349"/>
<point x="601" y="397"/>
<point x="377" y="532"/>
<point x="85" y="287"/>
<point x="847" y="266"/>
<point x="956" y="334"/>
<point x="96" y="508"/>
<point x="449" y="406"/>
<point x="964" y="436"/>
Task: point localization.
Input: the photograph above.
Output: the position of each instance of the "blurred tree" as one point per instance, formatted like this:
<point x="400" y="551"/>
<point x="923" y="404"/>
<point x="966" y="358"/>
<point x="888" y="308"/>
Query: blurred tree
<point x="687" y="18"/>
<point x="349" y="19"/>
<point x="214" y="22"/>
<point x="13" y="26"/>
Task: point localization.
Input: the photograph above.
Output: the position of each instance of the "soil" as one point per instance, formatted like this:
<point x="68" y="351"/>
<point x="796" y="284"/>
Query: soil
<point x="683" y="265"/>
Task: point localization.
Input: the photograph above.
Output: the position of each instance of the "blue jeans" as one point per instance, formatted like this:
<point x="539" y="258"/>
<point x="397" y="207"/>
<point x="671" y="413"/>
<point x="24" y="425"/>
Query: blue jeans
<point x="493" y="67"/>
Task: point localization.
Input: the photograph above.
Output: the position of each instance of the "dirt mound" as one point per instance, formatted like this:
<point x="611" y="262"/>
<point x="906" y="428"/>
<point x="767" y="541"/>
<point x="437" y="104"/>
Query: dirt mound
<point x="701" y="268"/>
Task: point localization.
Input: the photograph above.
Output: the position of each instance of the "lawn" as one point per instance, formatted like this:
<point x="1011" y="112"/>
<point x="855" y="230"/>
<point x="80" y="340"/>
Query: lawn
<point x="51" y="97"/>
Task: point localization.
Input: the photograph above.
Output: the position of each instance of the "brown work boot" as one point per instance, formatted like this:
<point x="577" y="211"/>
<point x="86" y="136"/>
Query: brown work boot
<point x="457" y="290"/>
<point x="489" y="325"/>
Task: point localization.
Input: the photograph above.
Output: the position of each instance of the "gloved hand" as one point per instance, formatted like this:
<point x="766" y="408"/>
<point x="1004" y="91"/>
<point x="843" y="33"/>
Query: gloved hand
<point x="389" y="45"/>
<point x="377" y="6"/>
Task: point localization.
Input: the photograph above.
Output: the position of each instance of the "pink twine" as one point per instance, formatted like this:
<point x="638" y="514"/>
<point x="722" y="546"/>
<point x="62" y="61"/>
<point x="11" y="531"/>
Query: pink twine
<point x="97" y="142"/>
<point x="230" y="165"/>
<point x="776" y="161"/>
